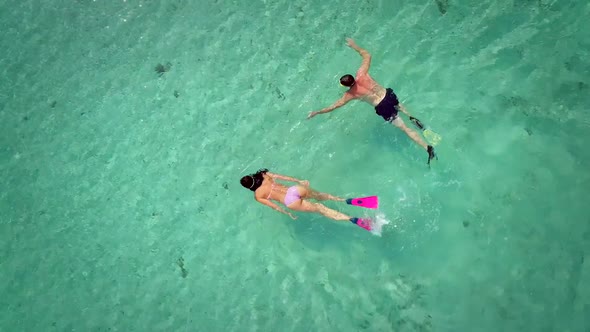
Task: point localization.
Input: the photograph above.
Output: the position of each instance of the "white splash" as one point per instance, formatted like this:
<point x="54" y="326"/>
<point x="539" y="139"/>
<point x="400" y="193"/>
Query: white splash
<point x="377" y="224"/>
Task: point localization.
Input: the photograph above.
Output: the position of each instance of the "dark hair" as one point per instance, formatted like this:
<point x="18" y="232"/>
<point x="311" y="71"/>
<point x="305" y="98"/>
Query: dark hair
<point x="253" y="181"/>
<point x="347" y="80"/>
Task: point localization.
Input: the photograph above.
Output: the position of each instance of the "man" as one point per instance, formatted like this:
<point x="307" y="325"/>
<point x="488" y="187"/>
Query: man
<point x="385" y="101"/>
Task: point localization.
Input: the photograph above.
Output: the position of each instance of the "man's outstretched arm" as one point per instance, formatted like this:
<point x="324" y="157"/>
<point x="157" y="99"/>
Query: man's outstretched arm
<point x="339" y="103"/>
<point x="364" y="53"/>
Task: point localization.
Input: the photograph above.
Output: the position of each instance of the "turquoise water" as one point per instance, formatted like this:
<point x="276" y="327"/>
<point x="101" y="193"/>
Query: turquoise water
<point x="121" y="208"/>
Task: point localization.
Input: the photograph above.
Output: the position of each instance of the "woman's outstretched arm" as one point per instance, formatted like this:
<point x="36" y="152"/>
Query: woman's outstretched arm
<point x="275" y="207"/>
<point x="286" y="178"/>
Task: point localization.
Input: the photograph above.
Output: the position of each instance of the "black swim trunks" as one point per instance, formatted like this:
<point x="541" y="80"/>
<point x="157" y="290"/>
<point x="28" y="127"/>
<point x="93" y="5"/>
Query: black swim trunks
<point x="387" y="107"/>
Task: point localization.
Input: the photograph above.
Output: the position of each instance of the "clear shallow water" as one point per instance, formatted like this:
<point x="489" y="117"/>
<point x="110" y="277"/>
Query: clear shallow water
<point x="112" y="181"/>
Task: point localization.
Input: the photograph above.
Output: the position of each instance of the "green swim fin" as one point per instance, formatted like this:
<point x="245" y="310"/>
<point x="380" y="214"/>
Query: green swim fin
<point x="432" y="137"/>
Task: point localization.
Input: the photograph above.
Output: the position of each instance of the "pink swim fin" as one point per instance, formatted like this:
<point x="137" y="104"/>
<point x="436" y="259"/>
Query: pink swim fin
<point x="362" y="223"/>
<point x="371" y="202"/>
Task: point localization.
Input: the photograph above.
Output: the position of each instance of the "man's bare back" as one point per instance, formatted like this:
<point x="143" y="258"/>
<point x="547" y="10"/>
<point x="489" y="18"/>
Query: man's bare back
<point x="366" y="89"/>
<point x="385" y="101"/>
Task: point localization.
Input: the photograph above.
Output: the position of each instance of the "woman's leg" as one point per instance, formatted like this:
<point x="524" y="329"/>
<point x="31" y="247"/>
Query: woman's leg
<point x="305" y="206"/>
<point x="308" y="192"/>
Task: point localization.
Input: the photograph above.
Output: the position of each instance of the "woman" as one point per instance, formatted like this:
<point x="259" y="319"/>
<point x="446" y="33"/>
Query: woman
<point x="295" y="197"/>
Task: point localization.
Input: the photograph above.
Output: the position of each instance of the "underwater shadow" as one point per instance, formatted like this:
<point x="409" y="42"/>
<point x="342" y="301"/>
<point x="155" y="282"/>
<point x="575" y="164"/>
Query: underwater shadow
<point x="387" y="137"/>
<point x="319" y="233"/>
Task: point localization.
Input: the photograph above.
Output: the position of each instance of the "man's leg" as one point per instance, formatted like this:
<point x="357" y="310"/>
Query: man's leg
<point x="398" y="122"/>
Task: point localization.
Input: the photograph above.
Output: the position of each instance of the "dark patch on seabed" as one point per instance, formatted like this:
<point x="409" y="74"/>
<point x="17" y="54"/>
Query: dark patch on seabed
<point x="161" y="69"/>
<point x="183" y="270"/>
<point x="443" y="6"/>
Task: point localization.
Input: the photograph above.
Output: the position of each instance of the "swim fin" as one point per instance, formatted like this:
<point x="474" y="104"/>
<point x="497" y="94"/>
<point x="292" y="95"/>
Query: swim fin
<point x="371" y="202"/>
<point x="432" y="137"/>
<point x="431" y="154"/>
<point x="417" y="123"/>
<point x="362" y="223"/>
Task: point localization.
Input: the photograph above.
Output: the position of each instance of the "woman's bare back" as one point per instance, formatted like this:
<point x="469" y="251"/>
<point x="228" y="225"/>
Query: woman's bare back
<point x="271" y="190"/>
